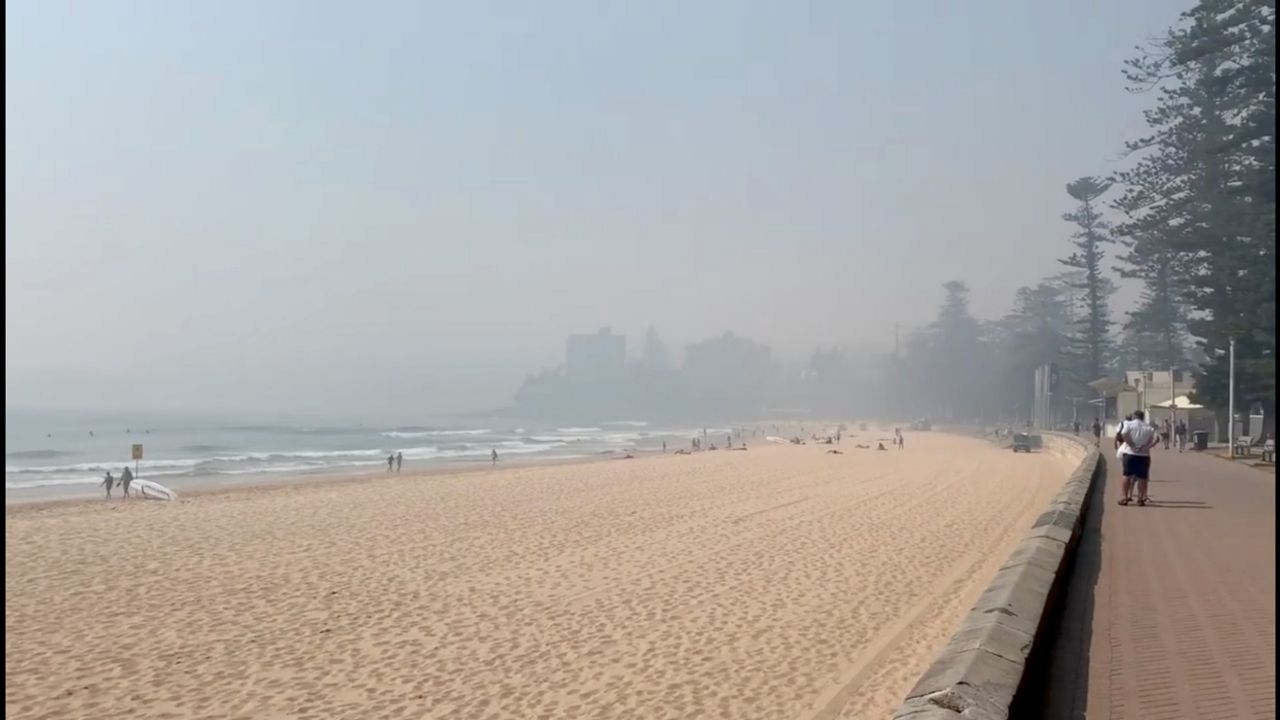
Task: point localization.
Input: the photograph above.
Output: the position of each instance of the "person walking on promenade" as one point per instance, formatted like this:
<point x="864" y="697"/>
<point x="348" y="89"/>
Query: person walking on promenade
<point x="1166" y="432"/>
<point x="1075" y="427"/>
<point x="1097" y="432"/>
<point x="108" y="482"/>
<point x="1136" y="439"/>
<point x="1180" y="434"/>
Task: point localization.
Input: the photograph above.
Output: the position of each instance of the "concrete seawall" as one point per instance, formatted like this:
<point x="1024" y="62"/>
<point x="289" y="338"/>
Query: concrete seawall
<point x="996" y="649"/>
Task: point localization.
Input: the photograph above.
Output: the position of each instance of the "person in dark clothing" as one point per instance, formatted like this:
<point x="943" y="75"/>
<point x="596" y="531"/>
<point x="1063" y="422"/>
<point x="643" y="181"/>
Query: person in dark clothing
<point x="126" y="479"/>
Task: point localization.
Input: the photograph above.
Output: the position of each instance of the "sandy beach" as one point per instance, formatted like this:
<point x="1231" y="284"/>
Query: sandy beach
<point x="781" y="582"/>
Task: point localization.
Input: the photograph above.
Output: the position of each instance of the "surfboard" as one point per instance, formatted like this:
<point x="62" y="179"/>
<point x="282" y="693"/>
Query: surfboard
<point x="776" y="439"/>
<point x="154" y="491"/>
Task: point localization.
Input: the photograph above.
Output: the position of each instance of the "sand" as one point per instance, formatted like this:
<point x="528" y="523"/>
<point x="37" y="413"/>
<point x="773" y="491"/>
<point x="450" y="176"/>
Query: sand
<point x="781" y="582"/>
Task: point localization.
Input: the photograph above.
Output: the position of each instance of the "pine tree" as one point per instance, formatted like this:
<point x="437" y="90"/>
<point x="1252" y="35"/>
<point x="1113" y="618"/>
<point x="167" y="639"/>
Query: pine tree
<point x="1155" y="332"/>
<point x="1092" y="347"/>
<point x="1202" y="188"/>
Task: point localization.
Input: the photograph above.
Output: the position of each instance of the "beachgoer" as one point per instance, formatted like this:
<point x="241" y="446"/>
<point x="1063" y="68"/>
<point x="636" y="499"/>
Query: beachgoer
<point x="880" y="446"/>
<point x="902" y="442"/>
<point x="108" y="482"/>
<point x="399" y="460"/>
<point x="728" y="441"/>
<point x="126" y="479"/>
<point x="391" y="460"/>
<point x="664" y="447"/>
<point x="1136" y="439"/>
<point x="493" y="455"/>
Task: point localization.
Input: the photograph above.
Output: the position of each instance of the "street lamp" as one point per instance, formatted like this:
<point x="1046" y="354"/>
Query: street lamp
<point x="1231" y="400"/>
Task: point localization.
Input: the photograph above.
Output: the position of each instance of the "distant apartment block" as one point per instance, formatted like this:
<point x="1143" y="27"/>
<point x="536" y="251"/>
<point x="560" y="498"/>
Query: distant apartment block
<point x="728" y="363"/>
<point x="598" y="355"/>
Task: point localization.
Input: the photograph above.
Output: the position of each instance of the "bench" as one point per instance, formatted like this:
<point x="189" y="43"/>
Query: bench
<point x="1243" y="446"/>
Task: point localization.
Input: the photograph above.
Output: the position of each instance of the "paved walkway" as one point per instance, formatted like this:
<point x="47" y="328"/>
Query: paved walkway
<point x="1170" y="612"/>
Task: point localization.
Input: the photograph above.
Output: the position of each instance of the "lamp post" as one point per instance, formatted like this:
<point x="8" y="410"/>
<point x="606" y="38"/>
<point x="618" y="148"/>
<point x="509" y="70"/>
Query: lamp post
<point x="1231" y="399"/>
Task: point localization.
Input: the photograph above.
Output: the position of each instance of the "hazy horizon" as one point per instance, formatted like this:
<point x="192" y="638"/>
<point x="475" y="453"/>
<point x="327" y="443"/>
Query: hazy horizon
<point x="323" y="210"/>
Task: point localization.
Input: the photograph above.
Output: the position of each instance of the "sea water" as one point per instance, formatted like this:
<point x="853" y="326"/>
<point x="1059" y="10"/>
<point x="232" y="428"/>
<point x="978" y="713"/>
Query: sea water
<point x="49" y="454"/>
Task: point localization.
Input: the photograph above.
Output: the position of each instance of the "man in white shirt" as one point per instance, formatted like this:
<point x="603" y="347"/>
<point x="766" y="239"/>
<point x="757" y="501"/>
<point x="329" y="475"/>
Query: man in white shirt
<point x="1137" y="438"/>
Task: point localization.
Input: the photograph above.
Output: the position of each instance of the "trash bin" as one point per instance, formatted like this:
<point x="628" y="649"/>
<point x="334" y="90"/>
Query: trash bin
<point x="1200" y="439"/>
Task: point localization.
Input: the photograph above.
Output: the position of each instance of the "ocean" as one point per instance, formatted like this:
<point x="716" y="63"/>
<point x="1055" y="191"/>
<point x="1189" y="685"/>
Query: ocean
<point x="52" y="455"/>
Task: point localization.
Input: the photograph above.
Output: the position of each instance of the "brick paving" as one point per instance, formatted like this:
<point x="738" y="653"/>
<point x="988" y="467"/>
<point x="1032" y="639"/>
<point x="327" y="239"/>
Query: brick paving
<point x="1170" y="612"/>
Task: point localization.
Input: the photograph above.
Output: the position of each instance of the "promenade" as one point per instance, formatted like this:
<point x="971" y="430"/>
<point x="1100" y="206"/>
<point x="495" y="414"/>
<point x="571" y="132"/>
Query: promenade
<point x="1170" y="612"/>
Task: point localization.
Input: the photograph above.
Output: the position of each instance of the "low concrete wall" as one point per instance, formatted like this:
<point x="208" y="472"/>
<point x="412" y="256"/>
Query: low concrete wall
<point x="978" y="673"/>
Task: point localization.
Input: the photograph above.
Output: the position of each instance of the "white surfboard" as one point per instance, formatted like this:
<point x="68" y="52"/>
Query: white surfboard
<point x="776" y="439"/>
<point x="154" y="491"/>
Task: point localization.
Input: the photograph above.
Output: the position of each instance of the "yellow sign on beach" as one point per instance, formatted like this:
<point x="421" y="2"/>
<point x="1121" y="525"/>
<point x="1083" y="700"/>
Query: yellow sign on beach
<point x="137" y="451"/>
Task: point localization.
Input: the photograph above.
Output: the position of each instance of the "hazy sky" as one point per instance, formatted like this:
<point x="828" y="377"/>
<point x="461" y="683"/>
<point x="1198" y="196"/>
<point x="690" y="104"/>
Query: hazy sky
<point x="386" y="208"/>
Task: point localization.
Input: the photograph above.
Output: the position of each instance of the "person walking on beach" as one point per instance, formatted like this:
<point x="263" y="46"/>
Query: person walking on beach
<point x="664" y="447"/>
<point x="1136" y="438"/>
<point x="399" y="460"/>
<point x="126" y="479"/>
<point x="108" y="482"/>
<point x="391" y="460"/>
<point x="493" y="455"/>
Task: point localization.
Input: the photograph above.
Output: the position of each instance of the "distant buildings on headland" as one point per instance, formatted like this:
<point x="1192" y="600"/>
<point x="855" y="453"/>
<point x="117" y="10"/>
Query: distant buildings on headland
<point x="720" y="377"/>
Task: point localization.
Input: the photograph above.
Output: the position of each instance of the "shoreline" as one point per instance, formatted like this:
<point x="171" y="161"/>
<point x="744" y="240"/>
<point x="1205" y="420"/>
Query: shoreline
<point x="193" y="487"/>
<point x="204" y="485"/>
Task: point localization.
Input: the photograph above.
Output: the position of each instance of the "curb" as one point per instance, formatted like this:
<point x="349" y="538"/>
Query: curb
<point x="978" y="674"/>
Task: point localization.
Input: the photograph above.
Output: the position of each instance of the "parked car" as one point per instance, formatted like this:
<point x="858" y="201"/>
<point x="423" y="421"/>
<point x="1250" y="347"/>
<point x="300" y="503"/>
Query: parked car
<point x="1022" y="442"/>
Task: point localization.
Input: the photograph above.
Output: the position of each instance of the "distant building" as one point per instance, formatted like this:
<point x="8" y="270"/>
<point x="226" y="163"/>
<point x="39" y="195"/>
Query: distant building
<point x="596" y="356"/>
<point x="1160" y="394"/>
<point x="1156" y="387"/>
<point x="729" y="374"/>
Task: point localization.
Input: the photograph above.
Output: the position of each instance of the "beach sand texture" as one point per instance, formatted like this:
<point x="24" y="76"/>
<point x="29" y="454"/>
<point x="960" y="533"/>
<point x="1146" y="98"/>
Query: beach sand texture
<point x="782" y="582"/>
